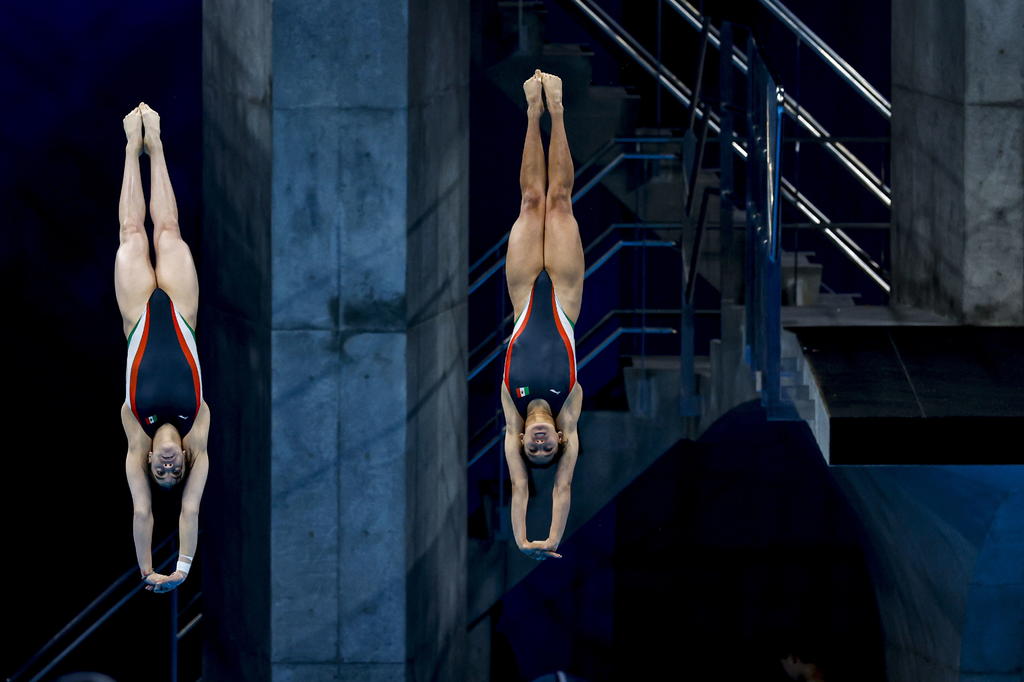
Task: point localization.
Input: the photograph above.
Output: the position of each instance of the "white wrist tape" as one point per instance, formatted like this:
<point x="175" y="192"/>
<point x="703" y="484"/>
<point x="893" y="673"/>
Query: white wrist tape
<point x="184" y="566"/>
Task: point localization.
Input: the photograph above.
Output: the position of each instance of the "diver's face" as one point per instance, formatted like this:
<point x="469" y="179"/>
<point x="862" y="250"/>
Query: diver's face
<point x="167" y="465"/>
<point x="540" y="440"/>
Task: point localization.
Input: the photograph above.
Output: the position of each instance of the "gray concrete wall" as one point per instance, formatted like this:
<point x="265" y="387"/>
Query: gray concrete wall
<point x="363" y="300"/>
<point x="436" y="318"/>
<point x="958" y="158"/>
<point x="338" y="441"/>
<point x="234" y="338"/>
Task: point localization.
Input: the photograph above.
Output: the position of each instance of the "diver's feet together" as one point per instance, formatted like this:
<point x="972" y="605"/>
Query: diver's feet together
<point x="550" y="85"/>
<point x="139" y="118"/>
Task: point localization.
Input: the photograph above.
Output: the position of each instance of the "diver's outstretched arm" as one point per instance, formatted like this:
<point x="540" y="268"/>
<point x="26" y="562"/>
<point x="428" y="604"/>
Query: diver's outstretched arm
<point x="516" y="468"/>
<point x="561" y="494"/>
<point x="142" y="507"/>
<point x="520" y="487"/>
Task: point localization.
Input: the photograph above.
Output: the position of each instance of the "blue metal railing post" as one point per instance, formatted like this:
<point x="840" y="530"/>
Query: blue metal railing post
<point x="773" y="275"/>
<point x="750" y="344"/>
<point x="764" y="249"/>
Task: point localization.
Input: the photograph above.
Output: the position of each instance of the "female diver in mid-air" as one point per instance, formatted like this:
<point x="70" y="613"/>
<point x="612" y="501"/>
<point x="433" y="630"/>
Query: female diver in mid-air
<point x="164" y="415"/>
<point x="540" y="396"/>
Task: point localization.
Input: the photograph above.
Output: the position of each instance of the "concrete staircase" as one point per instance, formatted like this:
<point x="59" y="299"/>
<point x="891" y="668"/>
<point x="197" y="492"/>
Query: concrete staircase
<point x="800" y="387"/>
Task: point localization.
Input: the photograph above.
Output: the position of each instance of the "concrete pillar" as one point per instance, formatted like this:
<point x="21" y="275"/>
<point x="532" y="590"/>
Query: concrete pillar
<point x="357" y="520"/>
<point x="958" y="158"/>
<point x="234" y="338"/>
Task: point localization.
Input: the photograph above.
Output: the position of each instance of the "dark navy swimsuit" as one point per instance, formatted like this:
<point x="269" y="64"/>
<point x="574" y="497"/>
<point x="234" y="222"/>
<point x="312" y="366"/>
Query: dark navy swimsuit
<point x="163" y="381"/>
<point x="541" y="358"/>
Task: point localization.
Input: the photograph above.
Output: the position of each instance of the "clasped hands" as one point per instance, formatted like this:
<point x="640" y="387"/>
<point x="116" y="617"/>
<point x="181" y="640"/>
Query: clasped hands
<point x="539" y="550"/>
<point x="158" y="583"/>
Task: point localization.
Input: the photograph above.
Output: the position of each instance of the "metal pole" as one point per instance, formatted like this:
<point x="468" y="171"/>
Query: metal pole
<point x="729" y="258"/>
<point x="519" y="26"/>
<point x="657" y="91"/>
<point x="750" y="268"/>
<point x="796" y="175"/>
<point x="697" y="163"/>
<point x="700" y="71"/>
<point x="174" y="635"/>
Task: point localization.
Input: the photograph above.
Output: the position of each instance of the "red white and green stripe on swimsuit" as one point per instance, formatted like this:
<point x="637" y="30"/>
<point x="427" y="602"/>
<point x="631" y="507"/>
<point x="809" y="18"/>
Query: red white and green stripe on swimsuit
<point x="541" y="358"/>
<point x="163" y="381"/>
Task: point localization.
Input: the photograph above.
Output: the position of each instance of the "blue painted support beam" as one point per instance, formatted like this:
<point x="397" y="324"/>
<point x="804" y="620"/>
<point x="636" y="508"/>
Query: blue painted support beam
<point x="619" y="246"/>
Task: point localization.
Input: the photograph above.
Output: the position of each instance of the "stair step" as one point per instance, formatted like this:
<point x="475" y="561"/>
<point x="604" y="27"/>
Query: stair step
<point x="805" y="408"/>
<point x="838" y="300"/>
<point x="798" y="393"/>
<point x="791" y="378"/>
<point x="801" y="279"/>
<point x="654" y="361"/>
<point x="566" y="50"/>
<point x="701" y="363"/>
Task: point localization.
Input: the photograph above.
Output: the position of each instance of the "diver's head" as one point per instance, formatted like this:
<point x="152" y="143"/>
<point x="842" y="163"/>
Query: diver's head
<point x="541" y="439"/>
<point x="167" y="459"/>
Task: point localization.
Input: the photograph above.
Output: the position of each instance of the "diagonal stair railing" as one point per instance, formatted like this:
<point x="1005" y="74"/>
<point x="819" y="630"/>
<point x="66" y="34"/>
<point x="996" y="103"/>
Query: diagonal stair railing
<point x="40" y="664"/>
<point x="674" y="86"/>
<point x="799" y="114"/>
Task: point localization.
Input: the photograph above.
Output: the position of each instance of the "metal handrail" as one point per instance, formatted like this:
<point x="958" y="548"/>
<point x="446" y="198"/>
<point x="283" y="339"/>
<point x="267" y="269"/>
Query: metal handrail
<point x="838" y="151"/>
<point x="607" y="146"/>
<point x="94" y="626"/>
<point x="623" y="243"/>
<point x="849" y="74"/>
<point x="631" y="46"/>
<point x="77" y="618"/>
<point x="160" y="566"/>
<point x="625" y="156"/>
<point x="821" y="49"/>
<point x="847" y="246"/>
